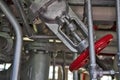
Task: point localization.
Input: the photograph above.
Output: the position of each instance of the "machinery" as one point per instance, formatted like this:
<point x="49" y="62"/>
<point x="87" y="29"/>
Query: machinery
<point x="35" y="34"/>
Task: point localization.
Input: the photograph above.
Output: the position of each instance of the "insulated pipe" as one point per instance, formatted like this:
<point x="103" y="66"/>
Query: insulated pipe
<point x="118" y="33"/>
<point x="24" y="18"/>
<point x="18" y="46"/>
<point x="93" y="71"/>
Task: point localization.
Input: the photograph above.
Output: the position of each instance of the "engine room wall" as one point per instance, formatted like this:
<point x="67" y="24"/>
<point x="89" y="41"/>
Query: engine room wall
<point x="99" y="13"/>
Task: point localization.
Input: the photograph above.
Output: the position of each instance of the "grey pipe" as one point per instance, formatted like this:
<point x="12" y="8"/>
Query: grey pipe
<point x="24" y="18"/>
<point x="18" y="45"/>
<point x="53" y="77"/>
<point x="91" y="42"/>
<point x="118" y="33"/>
<point x="75" y="73"/>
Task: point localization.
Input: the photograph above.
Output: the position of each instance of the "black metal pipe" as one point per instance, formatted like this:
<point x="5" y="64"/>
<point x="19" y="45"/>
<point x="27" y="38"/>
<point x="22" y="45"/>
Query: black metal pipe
<point x="18" y="45"/>
<point x="23" y="15"/>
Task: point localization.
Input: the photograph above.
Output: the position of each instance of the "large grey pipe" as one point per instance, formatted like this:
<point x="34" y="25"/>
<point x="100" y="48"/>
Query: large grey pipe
<point x="118" y="33"/>
<point x="18" y="45"/>
<point x="93" y="71"/>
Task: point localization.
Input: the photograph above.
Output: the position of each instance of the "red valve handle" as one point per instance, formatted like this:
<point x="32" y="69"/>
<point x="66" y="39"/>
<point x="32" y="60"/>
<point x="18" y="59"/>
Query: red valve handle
<point x="82" y="59"/>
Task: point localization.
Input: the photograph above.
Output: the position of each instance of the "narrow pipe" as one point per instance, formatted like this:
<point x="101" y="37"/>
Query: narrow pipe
<point x="53" y="66"/>
<point x="63" y="65"/>
<point x="75" y="73"/>
<point x="91" y="42"/>
<point x="18" y="45"/>
<point x="118" y="33"/>
<point x="24" y="18"/>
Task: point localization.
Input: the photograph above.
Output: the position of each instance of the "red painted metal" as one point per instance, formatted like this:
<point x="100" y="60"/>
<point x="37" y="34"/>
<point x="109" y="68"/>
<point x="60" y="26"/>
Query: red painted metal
<point x="95" y="27"/>
<point x="83" y="58"/>
<point x="83" y="76"/>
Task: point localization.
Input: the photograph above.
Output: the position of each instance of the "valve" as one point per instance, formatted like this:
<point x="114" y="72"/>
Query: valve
<point x="63" y="22"/>
<point x="83" y="58"/>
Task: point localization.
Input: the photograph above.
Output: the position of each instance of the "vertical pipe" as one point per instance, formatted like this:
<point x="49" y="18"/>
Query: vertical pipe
<point x="24" y="18"/>
<point x="63" y="66"/>
<point x="18" y="46"/>
<point x="41" y="66"/>
<point x="75" y="73"/>
<point x="91" y="41"/>
<point x="118" y="33"/>
<point x="54" y="66"/>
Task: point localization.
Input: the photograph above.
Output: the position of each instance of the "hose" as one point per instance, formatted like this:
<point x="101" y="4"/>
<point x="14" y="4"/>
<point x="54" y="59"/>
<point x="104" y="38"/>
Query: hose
<point x="18" y="45"/>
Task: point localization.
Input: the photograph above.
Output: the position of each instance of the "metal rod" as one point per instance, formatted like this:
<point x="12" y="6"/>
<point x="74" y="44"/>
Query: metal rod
<point x="118" y="33"/>
<point x="75" y="73"/>
<point x="43" y="37"/>
<point x="54" y="66"/>
<point x="23" y="15"/>
<point x="91" y="42"/>
<point x="63" y="65"/>
<point x="18" y="45"/>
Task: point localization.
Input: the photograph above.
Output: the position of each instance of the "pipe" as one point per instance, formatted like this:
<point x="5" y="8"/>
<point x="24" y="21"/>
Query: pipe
<point x="75" y="73"/>
<point x="54" y="65"/>
<point x="23" y="15"/>
<point x="18" y="45"/>
<point x="93" y="71"/>
<point x="118" y="33"/>
<point x="63" y="65"/>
